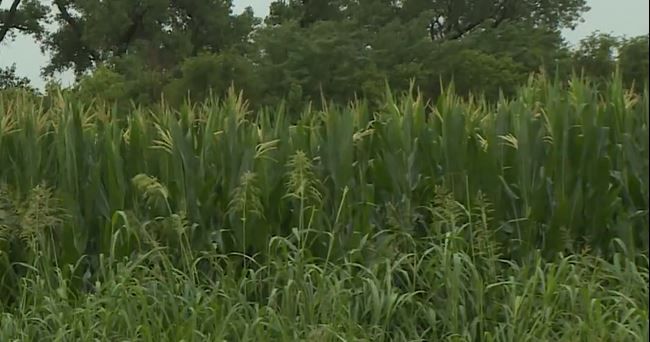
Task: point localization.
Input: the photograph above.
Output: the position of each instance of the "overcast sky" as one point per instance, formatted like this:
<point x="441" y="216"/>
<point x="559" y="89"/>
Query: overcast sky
<point x="620" y="17"/>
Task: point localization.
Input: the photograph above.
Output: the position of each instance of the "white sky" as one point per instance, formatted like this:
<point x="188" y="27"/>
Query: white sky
<point x="619" y="17"/>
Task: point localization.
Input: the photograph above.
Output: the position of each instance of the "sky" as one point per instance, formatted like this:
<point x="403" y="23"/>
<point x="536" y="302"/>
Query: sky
<point x="620" y="17"/>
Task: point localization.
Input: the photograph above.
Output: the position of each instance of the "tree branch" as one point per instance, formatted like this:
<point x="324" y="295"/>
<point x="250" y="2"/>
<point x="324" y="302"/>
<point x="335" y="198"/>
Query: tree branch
<point x="128" y="36"/>
<point x="94" y="56"/>
<point x="9" y="18"/>
<point x="499" y="16"/>
<point x="460" y="33"/>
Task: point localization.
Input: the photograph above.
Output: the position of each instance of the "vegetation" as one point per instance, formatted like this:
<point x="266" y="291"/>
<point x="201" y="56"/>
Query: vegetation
<point x="459" y="220"/>
<point x="342" y="170"/>
<point x="304" y="51"/>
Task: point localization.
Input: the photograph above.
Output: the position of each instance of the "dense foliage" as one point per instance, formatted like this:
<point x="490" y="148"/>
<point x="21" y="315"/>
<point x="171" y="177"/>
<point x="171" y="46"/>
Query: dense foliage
<point x="124" y="50"/>
<point x="356" y="170"/>
<point x="407" y="223"/>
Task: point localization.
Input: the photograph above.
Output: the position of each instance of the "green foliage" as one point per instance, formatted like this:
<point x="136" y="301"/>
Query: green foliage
<point x="351" y="48"/>
<point x="442" y="214"/>
<point x="103" y="84"/>
<point x="413" y="222"/>
<point x="633" y="61"/>
<point x="152" y="35"/>
<point x="9" y="80"/>
<point x="533" y="47"/>
<point x="432" y="289"/>
<point x="596" y="56"/>
<point x="476" y="72"/>
<point x="543" y="159"/>
<point x="342" y="49"/>
<point x="214" y="74"/>
<point x="26" y="16"/>
<point x="600" y="55"/>
<point x="460" y="17"/>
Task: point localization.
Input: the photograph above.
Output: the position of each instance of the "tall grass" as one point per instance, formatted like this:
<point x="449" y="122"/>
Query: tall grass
<point x="431" y="292"/>
<point x="457" y="220"/>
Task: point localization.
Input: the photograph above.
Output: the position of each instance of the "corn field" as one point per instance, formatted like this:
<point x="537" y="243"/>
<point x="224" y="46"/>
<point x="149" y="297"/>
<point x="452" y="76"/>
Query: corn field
<point x="558" y="170"/>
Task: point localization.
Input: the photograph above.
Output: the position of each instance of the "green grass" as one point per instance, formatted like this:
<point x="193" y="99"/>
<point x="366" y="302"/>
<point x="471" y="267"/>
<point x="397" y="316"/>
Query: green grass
<point x="459" y="220"/>
<point x="432" y="291"/>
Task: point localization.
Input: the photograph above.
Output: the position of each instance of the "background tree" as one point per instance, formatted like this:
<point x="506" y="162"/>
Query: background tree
<point x="26" y="17"/>
<point x="341" y="49"/>
<point x="9" y="79"/>
<point x="487" y="45"/>
<point x="596" y="55"/>
<point x="213" y="73"/>
<point x="633" y="61"/>
<point x="600" y="54"/>
<point x="146" y="41"/>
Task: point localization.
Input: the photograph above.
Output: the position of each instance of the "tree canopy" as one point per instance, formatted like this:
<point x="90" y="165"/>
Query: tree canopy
<point x="305" y="50"/>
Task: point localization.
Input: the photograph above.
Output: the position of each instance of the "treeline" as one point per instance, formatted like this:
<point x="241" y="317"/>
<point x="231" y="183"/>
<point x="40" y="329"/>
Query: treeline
<point x="137" y="51"/>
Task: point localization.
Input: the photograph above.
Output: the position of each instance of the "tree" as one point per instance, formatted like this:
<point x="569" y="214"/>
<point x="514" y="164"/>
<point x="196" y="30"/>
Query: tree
<point x="447" y="19"/>
<point x="305" y="12"/>
<point x="388" y="40"/>
<point x="103" y="85"/>
<point x="534" y="47"/>
<point x="633" y="61"/>
<point x="477" y="72"/>
<point x="454" y="19"/>
<point x="599" y="55"/>
<point x="595" y="56"/>
<point x="210" y="73"/>
<point x="25" y="16"/>
<point x="342" y="49"/>
<point x="146" y="42"/>
<point x="9" y="79"/>
<point x="161" y="33"/>
<point x="327" y="58"/>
